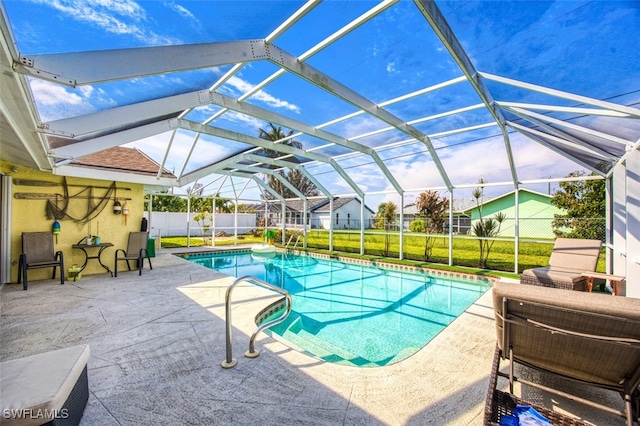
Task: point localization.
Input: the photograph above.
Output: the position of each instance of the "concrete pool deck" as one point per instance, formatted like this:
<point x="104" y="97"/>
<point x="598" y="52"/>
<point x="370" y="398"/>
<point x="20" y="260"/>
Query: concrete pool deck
<point x="157" y="342"/>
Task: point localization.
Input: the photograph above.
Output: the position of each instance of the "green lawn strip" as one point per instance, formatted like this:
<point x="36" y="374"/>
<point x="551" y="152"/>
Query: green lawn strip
<point x="417" y="264"/>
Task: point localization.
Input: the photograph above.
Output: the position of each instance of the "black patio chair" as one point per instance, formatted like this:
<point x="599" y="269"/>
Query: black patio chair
<point x="136" y="250"/>
<point x="37" y="252"/>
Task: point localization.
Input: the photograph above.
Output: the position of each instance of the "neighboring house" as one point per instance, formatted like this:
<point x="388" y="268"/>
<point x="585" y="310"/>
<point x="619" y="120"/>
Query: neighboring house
<point x="346" y="213"/>
<point x="461" y="219"/>
<point x="536" y="214"/>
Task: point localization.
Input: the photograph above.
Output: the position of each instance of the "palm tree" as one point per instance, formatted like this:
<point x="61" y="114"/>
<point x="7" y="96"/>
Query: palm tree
<point x="295" y="177"/>
<point x="485" y="229"/>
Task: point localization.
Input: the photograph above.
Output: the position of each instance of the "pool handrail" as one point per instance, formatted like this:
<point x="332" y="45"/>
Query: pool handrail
<point x="286" y="247"/>
<point x="291" y="250"/>
<point x="230" y="362"/>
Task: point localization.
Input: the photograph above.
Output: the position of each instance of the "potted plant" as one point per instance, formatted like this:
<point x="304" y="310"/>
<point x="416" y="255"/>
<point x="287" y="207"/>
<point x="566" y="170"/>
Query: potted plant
<point x="270" y="235"/>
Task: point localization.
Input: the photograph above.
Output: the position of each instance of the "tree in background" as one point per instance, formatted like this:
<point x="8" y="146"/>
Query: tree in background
<point x="585" y="206"/>
<point x="385" y="219"/>
<point x="295" y="177"/>
<point x="174" y="203"/>
<point x="433" y="209"/>
<point x="169" y="203"/>
<point x="485" y="229"/>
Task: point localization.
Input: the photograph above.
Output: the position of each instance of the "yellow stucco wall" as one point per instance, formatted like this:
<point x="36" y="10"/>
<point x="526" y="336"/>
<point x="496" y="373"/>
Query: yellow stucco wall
<point x="29" y="215"/>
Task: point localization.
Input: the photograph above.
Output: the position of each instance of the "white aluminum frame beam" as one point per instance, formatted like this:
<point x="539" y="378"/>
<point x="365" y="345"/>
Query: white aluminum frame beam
<point x="266" y="115"/>
<point x="443" y="31"/>
<point x="260" y="143"/>
<point x="588" y="149"/>
<point x="564" y="95"/>
<point x="98" y="66"/>
<point x="71" y="69"/>
<point x="254" y="169"/>
<point x="90" y="146"/>
<point x="323" y="81"/>
<point x="146" y="110"/>
<point x="81" y="125"/>
<point x="539" y="137"/>
<point x="540" y="118"/>
<point x="556" y="108"/>
<point x="257" y="180"/>
<point x="281" y="163"/>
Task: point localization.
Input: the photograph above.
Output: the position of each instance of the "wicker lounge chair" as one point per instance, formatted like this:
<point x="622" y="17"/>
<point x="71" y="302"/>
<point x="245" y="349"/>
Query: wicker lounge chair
<point x="136" y="250"/>
<point x="569" y="259"/>
<point x="590" y="338"/>
<point x="37" y="252"/>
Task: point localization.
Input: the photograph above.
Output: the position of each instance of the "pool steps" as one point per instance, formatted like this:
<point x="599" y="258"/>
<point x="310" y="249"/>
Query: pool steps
<point x="297" y="338"/>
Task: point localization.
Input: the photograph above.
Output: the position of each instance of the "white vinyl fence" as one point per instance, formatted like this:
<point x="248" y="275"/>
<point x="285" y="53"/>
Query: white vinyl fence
<point x="165" y="224"/>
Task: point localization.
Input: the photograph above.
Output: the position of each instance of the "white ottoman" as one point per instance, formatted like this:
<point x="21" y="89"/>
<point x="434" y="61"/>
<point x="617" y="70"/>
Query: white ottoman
<point x="48" y="388"/>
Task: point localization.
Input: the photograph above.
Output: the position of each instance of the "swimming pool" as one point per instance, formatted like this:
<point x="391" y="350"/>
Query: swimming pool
<point x="354" y="314"/>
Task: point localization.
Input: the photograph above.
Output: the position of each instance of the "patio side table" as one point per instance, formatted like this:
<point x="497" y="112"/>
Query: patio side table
<point x="100" y="247"/>
<point x="615" y="279"/>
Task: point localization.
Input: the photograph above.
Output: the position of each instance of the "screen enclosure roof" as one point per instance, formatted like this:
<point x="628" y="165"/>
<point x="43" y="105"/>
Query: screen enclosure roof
<point x="390" y="97"/>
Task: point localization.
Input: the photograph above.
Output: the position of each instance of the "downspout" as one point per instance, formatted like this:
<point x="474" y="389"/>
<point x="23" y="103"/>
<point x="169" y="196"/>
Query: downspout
<point x="517" y="229"/>
<point x="401" y="250"/>
<point x="235" y="222"/>
<point x="305" y="206"/>
<point x="213" y="220"/>
<point x="362" y="226"/>
<point x="283" y="216"/>
<point x="188" y="221"/>
<point x="331" y="224"/>
<point x="451" y="229"/>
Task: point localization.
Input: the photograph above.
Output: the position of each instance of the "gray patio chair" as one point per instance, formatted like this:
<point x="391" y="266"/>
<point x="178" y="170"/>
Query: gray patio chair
<point x="136" y="250"/>
<point x="569" y="259"/>
<point x="38" y="252"/>
<point x="590" y="338"/>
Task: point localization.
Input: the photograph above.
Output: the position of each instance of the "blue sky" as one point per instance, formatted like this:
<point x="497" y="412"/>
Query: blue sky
<point x="583" y="47"/>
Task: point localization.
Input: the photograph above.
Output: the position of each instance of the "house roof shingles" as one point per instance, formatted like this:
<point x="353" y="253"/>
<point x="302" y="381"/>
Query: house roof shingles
<point x="123" y="159"/>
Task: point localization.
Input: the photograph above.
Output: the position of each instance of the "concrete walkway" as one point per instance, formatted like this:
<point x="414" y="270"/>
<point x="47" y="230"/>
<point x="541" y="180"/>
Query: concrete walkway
<point x="157" y="341"/>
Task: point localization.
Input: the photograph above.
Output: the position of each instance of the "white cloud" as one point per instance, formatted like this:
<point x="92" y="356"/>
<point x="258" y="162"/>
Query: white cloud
<point x="53" y="94"/>
<point x="123" y="17"/>
<point x="86" y="90"/>
<point x="184" y="12"/>
<point x="243" y="86"/>
<point x="248" y="120"/>
<point x="55" y="101"/>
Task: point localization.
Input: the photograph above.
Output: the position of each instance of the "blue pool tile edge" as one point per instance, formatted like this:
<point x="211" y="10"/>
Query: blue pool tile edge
<point x="346" y="259"/>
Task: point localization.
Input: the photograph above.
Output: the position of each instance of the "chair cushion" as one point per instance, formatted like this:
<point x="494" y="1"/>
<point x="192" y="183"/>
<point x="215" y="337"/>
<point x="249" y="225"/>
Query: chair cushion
<point x="569" y="253"/>
<point x="556" y="274"/>
<point x="39" y="385"/>
<point x="584" y="355"/>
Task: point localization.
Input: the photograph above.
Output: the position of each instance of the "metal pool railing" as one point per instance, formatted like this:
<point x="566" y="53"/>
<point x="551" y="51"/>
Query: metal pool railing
<point x="230" y="362"/>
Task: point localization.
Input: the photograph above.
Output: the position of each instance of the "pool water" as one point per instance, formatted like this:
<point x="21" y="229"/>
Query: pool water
<point x="354" y="314"/>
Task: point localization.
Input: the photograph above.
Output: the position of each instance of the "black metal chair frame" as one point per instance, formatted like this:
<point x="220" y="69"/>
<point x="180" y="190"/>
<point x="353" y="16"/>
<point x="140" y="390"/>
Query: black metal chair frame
<point x="38" y="244"/>
<point x="135" y="251"/>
